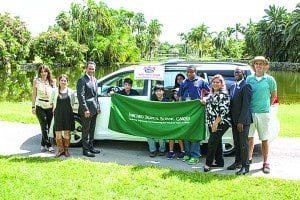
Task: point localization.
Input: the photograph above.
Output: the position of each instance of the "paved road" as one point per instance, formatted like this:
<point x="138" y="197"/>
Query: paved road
<point x="24" y="140"/>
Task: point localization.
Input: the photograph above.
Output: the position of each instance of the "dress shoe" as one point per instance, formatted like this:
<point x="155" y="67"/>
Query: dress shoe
<point x="243" y="170"/>
<point x="206" y="169"/>
<point x="234" y="166"/>
<point x="217" y="165"/>
<point x="95" y="151"/>
<point x="88" y="154"/>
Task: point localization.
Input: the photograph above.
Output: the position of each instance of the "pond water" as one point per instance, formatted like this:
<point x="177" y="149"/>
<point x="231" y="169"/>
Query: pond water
<point x="288" y="85"/>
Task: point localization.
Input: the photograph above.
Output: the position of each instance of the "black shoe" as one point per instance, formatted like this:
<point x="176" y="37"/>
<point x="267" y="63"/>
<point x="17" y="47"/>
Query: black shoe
<point x="206" y="169"/>
<point x="152" y="154"/>
<point x="234" y="166"/>
<point x="88" y="154"/>
<point x="243" y="170"/>
<point x="217" y="165"/>
<point x="250" y="161"/>
<point x="161" y="153"/>
<point x="95" y="151"/>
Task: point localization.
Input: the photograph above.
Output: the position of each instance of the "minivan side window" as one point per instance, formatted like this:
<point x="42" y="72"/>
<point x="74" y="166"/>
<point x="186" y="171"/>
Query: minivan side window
<point x="117" y="83"/>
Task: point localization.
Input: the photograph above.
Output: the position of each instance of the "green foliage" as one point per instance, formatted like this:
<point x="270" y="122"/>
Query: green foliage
<point x="38" y="178"/>
<point x="276" y="36"/>
<point x="106" y="33"/>
<point x="14" y="51"/>
<point x="57" y="48"/>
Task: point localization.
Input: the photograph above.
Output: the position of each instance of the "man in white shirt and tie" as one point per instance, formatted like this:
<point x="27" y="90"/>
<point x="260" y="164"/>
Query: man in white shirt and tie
<point x="89" y="108"/>
<point x="240" y="93"/>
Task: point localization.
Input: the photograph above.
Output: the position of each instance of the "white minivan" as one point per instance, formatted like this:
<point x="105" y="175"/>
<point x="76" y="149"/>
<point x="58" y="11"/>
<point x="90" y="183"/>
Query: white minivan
<point x="114" y="81"/>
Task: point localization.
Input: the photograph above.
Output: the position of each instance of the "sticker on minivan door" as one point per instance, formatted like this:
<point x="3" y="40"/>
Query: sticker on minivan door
<point x="149" y="72"/>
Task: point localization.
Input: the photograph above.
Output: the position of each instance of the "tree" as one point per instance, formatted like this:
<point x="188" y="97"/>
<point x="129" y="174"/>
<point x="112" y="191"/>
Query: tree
<point x="238" y="28"/>
<point x="14" y="51"/>
<point x="219" y="43"/>
<point x="184" y="38"/>
<point x="139" y="23"/>
<point x="153" y="32"/>
<point x="63" y="20"/>
<point x="292" y="35"/>
<point x="198" y="36"/>
<point x="57" y="48"/>
<point x="271" y="32"/>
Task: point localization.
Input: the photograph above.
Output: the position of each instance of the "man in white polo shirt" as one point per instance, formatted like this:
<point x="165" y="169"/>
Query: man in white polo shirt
<point x="264" y="93"/>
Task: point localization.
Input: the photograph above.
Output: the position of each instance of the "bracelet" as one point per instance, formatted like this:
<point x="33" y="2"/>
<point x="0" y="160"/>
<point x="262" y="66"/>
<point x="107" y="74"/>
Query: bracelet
<point x="33" y="106"/>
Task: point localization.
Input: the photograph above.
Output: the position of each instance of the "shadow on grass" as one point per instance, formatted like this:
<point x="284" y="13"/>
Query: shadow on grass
<point x="30" y="159"/>
<point x="188" y="176"/>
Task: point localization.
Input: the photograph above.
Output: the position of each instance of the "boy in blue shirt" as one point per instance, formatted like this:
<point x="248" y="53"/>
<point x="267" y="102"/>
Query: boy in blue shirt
<point x="192" y="88"/>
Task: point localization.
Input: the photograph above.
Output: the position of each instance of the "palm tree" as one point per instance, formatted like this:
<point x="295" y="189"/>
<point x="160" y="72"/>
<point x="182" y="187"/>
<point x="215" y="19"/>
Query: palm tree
<point x="219" y="42"/>
<point x="229" y="31"/>
<point x="198" y="36"/>
<point x="154" y="31"/>
<point x="271" y="32"/>
<point x="184" y="38"/>
<point x="238" y="28"/>
<point x="139" y="23"/>
<point x="63" y="20"/>
<point x="292" y="35"/>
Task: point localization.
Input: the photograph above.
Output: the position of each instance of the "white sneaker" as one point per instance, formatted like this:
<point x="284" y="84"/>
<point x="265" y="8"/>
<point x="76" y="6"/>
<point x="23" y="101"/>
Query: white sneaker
<point x="43" y="149"/>
<point x="51" y="149"/>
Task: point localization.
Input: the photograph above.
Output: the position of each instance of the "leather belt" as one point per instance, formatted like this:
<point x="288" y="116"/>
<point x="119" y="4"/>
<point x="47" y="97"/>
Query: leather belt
<point x="43" y="100"/>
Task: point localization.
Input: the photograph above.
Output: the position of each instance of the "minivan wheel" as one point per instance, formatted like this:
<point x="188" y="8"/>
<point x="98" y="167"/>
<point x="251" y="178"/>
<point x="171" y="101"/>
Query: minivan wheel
<point x="76" y="135"/>
<point x="228" y="149"/>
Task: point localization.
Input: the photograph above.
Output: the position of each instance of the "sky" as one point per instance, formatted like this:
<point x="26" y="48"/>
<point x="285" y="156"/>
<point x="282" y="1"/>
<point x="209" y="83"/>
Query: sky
<point x="176" y="16"/>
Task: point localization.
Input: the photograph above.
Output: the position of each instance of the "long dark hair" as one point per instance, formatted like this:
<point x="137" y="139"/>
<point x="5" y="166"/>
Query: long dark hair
<point x="49" y="75"/>
<point x="176" y="84"/>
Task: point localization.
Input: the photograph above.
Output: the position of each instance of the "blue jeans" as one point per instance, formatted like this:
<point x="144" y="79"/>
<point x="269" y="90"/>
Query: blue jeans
<point x="192" y="149"/>
<point x="152" y="145"/>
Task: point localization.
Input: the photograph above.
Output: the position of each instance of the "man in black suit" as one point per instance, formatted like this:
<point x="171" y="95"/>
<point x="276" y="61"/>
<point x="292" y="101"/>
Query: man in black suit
<point x="240" y="93"/>
<point x="89" y="108"/>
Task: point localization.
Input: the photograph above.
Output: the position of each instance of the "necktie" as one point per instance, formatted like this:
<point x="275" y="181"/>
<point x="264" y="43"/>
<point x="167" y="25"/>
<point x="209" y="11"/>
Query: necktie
<point x="92" y="82"/>
<point x="234" y="89"/>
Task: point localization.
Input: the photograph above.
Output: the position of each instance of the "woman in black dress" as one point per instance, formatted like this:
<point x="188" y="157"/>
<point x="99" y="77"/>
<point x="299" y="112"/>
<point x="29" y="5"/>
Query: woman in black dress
<point x="63" y="99"/>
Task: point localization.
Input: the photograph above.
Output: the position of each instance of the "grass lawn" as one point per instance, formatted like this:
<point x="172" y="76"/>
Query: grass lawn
<point x="17" y="112"/>
<point x="49" y="178"/>
<point x="288" y="115"/>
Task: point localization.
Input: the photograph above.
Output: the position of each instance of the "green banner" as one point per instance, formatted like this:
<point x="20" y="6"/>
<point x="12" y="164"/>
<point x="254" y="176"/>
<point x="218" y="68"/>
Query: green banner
<point x="161" y="120"/>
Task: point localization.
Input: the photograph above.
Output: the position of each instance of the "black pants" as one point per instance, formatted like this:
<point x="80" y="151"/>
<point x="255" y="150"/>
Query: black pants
<point x="88" y="129"/>
<point x="215" y="150"/>
<point x="44" y="116"/>
<point x="240" y="140"/>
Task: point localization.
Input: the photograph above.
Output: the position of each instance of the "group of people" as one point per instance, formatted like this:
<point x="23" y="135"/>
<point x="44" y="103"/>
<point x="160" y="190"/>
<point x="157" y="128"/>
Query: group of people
<point x="244" y="106"/>
<point x="53" y="107"/>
